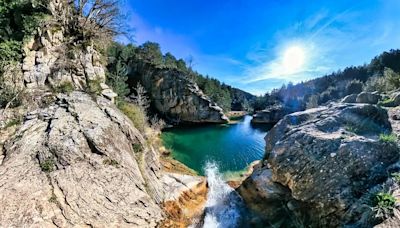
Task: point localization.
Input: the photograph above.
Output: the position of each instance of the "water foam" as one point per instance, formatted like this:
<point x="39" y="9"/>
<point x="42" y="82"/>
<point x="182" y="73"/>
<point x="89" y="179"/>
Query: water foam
<point x="223" y="203"/>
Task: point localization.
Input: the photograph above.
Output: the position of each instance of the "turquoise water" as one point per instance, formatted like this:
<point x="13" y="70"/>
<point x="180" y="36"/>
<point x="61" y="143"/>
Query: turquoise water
<point x="232" y="146"/>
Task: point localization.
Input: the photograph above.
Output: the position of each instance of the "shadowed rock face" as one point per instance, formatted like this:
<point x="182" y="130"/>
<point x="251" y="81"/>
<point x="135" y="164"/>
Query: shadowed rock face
<point x="177" y="98"/>
<point x="271" y="115"/>
<point x="322" y="162"/>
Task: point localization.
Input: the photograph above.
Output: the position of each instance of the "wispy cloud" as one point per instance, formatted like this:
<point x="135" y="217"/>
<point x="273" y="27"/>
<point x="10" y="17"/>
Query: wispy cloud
<point x="315" y="32"/>
<point x="332" y="41"/>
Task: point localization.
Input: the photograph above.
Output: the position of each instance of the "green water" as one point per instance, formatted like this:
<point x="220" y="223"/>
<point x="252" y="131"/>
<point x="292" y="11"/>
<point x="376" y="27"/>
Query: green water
<point x="232" y="146"/>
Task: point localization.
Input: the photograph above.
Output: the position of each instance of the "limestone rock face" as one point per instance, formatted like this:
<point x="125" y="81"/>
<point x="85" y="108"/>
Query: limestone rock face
<point x="81" y="162"/>
<point x="48" y="60"/>
<point x="177" y="98"/>
<point x="271" y="115"/>
<point x="73" y="164"/>
<point x="327" y="159"/>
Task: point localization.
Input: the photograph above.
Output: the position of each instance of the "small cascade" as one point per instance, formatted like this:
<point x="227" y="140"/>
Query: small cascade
<point x="224" y="205"/>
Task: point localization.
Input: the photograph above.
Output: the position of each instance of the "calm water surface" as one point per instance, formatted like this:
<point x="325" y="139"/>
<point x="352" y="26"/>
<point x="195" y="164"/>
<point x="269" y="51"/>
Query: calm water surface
<point x="231" y="146"/>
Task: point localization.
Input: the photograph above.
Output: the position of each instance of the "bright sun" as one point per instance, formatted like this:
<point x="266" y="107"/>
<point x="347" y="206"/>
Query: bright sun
<point x="293" y="59"/>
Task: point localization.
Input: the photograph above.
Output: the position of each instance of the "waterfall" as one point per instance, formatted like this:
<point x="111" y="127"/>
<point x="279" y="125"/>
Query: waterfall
<point x="223" y="204"/>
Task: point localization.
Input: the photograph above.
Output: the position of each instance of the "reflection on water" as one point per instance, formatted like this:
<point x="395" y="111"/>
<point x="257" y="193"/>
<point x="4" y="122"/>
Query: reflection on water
<point x="231" y="146"/>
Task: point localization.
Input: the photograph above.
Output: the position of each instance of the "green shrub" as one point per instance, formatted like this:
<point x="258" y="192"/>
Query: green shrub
<point x="396" y="177"/>
<point x="111" y="162"/>
<point x="389" y="81"/>
<point x="117" y="79"/>
<point x="64" y="87"/>
<point x="47" y="165"/>
<point x="10" y="51"/>
<point x="385" y="102"/>
<point x="390" y="138"/>
<point x="353" y="129"/>
<point x="384" y="203"/>
<point x="53" y="199"/>
<point x="93" y="87"/>
<point x="13" y="122"/>
<point x="10" y="96"/>
<point x="135" y="113"/>
<point x="137" y="147"/>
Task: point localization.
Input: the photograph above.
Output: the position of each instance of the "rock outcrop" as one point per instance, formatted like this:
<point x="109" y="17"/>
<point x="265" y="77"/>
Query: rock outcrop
<point x="81" y="162"/>
<point x="185" y="204"/>
<point x="392" y="100"/>
<point x="52" y="59"/>
<point x="321" y="164"/>
<point x="364" y="97"/>
<point x="368" y="98"/>
<point x="177" y="98"/>
<point x="270" y="115"/>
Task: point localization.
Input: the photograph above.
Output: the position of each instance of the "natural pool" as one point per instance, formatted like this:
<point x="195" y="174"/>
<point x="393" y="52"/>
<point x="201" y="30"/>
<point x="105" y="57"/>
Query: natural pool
<point x="232" y="146"/>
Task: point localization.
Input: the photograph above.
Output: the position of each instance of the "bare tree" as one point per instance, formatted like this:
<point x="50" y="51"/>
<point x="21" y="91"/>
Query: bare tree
<point x="98" y="17"/>
<point x="190" y="61"/>
<point x="139" y="97"/>
<point x="157" y="123"/>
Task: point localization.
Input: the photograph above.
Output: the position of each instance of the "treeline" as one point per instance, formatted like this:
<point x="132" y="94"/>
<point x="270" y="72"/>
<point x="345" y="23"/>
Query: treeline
<point x="380" y="74"/>
<point x="123" y="58"/>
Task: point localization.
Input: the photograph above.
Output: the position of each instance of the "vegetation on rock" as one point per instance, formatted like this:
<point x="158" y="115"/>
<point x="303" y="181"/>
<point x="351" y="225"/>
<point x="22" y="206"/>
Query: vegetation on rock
<point x="384" y="203"/>
<point x="390" y="138"/>
<point x="123" y="60"/>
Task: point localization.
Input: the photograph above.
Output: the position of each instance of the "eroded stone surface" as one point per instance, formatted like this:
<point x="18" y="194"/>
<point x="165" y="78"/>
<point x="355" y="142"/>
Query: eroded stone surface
<point x="327" y="158"/>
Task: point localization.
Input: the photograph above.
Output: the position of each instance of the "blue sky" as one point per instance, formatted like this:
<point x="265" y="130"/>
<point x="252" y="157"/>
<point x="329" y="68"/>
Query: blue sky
<point x="245" y="43"/>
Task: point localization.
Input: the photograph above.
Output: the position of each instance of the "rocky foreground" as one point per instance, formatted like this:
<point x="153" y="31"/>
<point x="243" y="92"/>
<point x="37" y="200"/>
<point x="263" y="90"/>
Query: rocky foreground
<point x="323" y="167"/>
<point x="70" y="158"/>
<point x="80" y="162"/>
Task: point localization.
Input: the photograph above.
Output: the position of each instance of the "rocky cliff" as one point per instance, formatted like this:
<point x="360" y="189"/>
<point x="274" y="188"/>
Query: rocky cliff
<point x="81" y="162"/>
<point x="69" y="157"/>
<point x="177" y="98"/>
<point x="323" y="166"/>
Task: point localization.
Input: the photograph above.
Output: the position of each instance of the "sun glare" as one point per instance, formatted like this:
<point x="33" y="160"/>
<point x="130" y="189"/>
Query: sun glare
<point x="293" y="59"/>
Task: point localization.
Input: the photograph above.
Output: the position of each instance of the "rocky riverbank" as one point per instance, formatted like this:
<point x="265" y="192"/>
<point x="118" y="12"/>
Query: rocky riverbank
<point x="322" y="167"/>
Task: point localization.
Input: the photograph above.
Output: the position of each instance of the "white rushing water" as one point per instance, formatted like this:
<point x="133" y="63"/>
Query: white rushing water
<point x="223" y="203"/>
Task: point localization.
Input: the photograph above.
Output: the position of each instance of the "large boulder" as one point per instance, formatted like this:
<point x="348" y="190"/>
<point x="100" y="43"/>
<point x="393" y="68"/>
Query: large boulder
<point x="352" y="98"/>
<point x="177" y="98"/>
<point x="270" y="115"/>
<point x="327" y="159"/>
<point x="368" y="98"/>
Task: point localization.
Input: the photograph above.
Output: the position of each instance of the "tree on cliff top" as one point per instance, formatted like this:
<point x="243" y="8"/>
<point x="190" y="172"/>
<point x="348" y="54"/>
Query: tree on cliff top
<point x="97" y="20"/>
